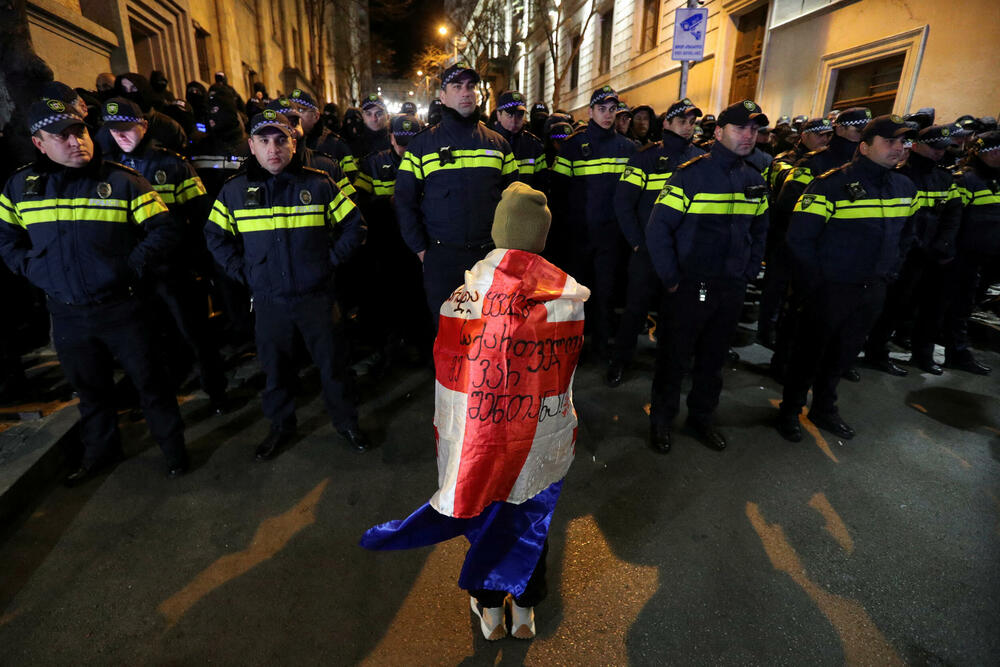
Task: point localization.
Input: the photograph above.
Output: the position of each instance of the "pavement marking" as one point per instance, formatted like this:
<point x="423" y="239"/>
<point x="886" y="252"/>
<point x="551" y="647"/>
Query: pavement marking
<point x="863" y="643"/>
<point x="834" y="524"/>
<point x="811" y="429"/>
<point x="428" y="611"/>
<point x="947" y="450"/>
<point x="272" y="536"/>
<point x="591" y="571"/>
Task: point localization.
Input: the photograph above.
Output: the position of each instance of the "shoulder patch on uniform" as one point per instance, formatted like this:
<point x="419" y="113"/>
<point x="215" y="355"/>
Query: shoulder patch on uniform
<point x="692" y="161"/>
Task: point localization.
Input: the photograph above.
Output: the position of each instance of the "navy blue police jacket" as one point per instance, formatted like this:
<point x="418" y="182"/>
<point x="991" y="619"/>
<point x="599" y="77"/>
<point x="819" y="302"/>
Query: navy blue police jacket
<point x="837" y="153"/>
<point x="852" y="225"/>
<point x="282" y="235"/>
<point x="325" y="140"/>
<point x="710" y="221"/>
<point x="450" y="181"/>
<point x="586" y="173"/>
<point x="936" y="224"/>
<point x="529" y="153"/>
<point x="979" y="187"/>
<point x="84" y="236"/>
<point x="643" y="179"/>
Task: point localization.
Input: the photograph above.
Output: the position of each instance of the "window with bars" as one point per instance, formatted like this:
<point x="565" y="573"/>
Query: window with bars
<point x="650" y="24"/>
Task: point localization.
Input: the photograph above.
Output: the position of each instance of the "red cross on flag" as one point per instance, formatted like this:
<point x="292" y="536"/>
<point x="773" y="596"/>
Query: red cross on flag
<point x="506" y="351"/>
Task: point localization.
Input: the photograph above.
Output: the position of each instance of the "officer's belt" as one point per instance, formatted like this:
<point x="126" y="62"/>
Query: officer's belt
<point x="472" y="245"/>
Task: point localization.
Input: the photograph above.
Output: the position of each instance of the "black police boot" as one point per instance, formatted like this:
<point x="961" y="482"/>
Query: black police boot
<point x="615" y="374"/>
<point x="885" y="365"/>
<point x="732" y="356"/>
<point x="659" y="439"/>
<point x="963" y="360"/>
<point x="926" y="364"/>
<point x="356" y="438"/>
<point x="276" y="438"/>
<point x="831" y="421"/>
<point x="788" y="427"/>
<point x="766" y="335"/>
<point x="704" y="432"/>
<point x="178" y="467"/>
<point x="85" y="473"/>
<point x="851" y="375"/>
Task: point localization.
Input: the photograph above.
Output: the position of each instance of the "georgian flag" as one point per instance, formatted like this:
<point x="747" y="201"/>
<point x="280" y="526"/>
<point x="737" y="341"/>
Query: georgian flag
<point x="505" y="355"/>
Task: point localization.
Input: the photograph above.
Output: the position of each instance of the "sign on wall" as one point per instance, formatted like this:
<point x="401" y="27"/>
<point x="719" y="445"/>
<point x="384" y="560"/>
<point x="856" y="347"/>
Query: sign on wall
<point x="690" y="25"/>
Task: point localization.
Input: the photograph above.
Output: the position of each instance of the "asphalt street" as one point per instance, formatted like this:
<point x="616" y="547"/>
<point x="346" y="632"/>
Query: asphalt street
<point x="884" y="549"/>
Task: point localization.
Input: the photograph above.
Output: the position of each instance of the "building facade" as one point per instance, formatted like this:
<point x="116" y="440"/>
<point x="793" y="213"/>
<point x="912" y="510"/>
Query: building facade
<point x="791" y="56"/>
<point x="284" y="44"/>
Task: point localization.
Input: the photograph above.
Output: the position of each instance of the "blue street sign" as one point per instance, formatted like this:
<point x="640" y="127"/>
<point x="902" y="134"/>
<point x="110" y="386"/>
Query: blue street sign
<point x="690" y="25"/>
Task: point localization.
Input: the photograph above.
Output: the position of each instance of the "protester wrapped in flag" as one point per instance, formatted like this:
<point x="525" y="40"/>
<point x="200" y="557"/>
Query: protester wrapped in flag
<point x="506" y="352"/>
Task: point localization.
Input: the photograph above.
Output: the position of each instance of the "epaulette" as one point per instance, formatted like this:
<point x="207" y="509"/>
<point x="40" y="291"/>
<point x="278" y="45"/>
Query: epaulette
<point x="646" y="147"/>
<point x="533" y="136"/>
<point x="828" y="174"/>
<point x="811" y="154"/>
<point x="23" y="167"/>
<point x="576" y="132"/>
<point x="119" y="165"/>
<point x="692" y="161"/>
<point x="239" y="172"/>
<point x="313" y="170"/>
<point x="171" y="153"/>
<point x="324" y="154"/>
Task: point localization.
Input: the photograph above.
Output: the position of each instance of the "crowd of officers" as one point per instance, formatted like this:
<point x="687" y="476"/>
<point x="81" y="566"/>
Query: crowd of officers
<point x="141" y="209"/>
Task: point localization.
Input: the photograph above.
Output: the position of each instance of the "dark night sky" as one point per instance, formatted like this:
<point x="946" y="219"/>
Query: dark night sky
<point x="409" y="35"/>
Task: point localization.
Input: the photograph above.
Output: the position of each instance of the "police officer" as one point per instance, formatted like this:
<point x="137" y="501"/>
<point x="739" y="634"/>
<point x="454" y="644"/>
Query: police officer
<point x="706" y="241"/>
<point x="274" y="226"/>
<point x="843" y="145"/>
<point x="623" y="119"/>
<point x="918" y="290"/>
<point x="529" y="152"/>
<point x="978" y="245"/>
<point x="846" y="241"/>
<point x="642" y="122"/>
<point x="644" y="177"/>
<point x="309" y="157"/>
<point x="448" y="185"/>
<point x="407" y="109"/>
<point x="395" y="269"/>
<point x="175" y="180"/>
<point x="585" y="176"/>
<point x="434" y="112"/>
<point x="374" y="136"/>
<point x="539" y="114"/>
<point x="318" y="137"/>
<point x="815" y="134"/>
<point x="71" y="224"/>
<point x="707" y="127"/>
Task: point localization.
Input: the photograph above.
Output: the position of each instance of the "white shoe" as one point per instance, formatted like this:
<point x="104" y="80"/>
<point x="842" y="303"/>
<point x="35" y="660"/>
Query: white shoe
<point x="490" y="620"/>
<point x="522" y="621"/>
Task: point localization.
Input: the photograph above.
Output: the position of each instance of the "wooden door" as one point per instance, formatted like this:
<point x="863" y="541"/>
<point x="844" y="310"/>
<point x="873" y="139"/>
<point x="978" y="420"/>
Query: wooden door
<point x="750" y="30"/>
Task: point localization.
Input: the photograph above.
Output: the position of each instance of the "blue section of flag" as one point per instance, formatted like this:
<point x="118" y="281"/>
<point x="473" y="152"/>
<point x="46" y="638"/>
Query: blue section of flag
<point x="505" y="540"/>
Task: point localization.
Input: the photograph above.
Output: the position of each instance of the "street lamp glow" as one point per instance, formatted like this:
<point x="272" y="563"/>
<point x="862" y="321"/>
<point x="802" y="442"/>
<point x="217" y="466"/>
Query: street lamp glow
<point x="443" y="30"/>
<point x="420" y="72"/>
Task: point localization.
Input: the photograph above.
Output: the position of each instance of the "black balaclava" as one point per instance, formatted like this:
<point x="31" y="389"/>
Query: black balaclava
<point x="143" y="96"/>
<point x="331" y="117"/>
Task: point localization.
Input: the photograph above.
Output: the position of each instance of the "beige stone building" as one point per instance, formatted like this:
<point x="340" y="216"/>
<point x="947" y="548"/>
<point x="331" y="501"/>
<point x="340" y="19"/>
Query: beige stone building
<point x="284" y="44"/>
<point x="791" y="56"/>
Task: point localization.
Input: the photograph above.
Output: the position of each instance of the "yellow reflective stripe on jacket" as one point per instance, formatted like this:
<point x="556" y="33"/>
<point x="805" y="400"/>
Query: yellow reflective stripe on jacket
<point x="657" y="181"/>
<point x="598" y="166"/>
<point x="479" y="158"/>
<point x="411" y="163"/>
<point x="166" y="192"/>
<point x="726" y="203"/>
<point x="222" y="217"/>
<point x="279" y="217"/>
<point x="673" y="196"/>
<point x="979" y="197"/>
<point x="189" y="189"/>
<point x="77" y="209"/>
<point x="777" y="169"/>
<point x="814" y="204"/>
<point x="930" y="198"/>
<point x="846" y="209"/>
<point x="345" y="186"/>
<point x="364" y="183"/>
<point x="146" y="205"/>
<point x="341" y="207"/>
<point x="348" y="164"/>
<point x="634" y="176"/>
<point x="382" y="188"/>
<point x="8" y="213"/>
<point x="800" y="175"/>
<point x="527" y="166"/>
<point x="541" y="163"/>
<point x="562" y="166"/>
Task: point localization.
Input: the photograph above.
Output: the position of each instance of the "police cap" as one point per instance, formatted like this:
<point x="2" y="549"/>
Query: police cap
<point x="818" y="125"/>
<point x="284" y="106"/>
<point x="454" y="73"/>
<point x="304" y="99"/>
<point x="52" y="116"/>
<point x="271" y="118"/>
<point x="560" y="131"/>
<point x="406" y="125"/>
<point x="854" y="116"/>
<point x="119" y="113"/>
<point x="742" y="113"/>
<point x="937" y="136"/>
<point x="510" y="100"/>
<point x="57" y="90"/>
<point x="371" y="101"/>
<point x="682" y="108"/>
<point x="539" y="107"/>
<point x="987" y="142"/>
<point x="602" y="95"/>
<point x="783" y="120"/>
<point x="888" y="127"/>
<point x="408" y="108"/>
<point x="923" y="117"/>
<point x="622" y="108"/>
